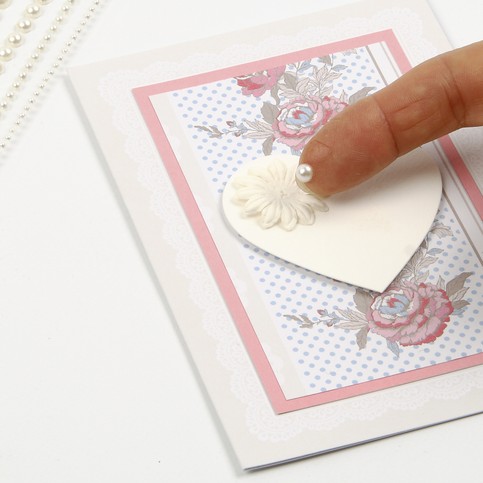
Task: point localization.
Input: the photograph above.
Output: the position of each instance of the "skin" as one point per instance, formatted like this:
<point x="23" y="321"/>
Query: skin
<point x="435" y="98"/>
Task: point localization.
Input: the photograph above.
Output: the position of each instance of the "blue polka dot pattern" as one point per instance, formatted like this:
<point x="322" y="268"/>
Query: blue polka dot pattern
<point x="326" y="357"/>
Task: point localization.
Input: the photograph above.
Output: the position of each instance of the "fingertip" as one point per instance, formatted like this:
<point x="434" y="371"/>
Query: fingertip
<point x="313" y="158"/>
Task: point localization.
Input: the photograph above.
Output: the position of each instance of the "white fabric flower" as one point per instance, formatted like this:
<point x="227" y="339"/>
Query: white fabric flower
<point x="272" y="194"/>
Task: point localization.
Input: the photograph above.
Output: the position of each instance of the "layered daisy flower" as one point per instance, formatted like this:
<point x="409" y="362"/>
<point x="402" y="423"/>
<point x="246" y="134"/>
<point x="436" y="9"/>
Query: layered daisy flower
<point x="271" y="194"/>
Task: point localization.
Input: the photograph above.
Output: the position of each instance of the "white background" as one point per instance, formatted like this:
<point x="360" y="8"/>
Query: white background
<point x="95" y="384"/>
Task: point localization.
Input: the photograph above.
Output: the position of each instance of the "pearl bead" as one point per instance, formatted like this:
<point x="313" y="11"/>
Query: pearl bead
<point x="33" y="11"/>
<point x="24" y="25"/>
<point x="6" y="53"/>
<point x="15" y="40"/>
<point x="304" y="173"/>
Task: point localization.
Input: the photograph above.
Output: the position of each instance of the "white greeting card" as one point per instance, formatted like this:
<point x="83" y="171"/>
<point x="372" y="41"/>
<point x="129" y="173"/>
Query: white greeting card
<point x="295" y="363"/>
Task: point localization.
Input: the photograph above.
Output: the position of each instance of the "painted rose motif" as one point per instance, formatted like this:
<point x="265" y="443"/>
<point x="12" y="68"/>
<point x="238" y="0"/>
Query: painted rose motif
<point x="299" y="119"/>
<point x="258" y="83"/>
<point x="410" y="314"/>
<point x="295" y="100"/>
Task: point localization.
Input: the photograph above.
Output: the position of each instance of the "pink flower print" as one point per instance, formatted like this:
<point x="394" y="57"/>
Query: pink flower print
<point x="410" y="314"/>
<point x="258" y="83"/>
<point x="300" y="118"/>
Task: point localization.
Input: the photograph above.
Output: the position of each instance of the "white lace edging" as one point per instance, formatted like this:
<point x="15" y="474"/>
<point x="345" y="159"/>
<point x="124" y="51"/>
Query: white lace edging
<point x="115" y="89"/>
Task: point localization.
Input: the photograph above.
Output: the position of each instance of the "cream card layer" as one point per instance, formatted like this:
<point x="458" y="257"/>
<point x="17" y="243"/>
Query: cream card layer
<point x="313" y="339"/>
<point x="295" y="363"/>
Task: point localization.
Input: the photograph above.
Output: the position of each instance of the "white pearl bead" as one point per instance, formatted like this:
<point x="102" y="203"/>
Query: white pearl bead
<point x="5" y="3"/>
<point x="33" y="11"/>
<point x="304" y="173"/>
<point x="15" y="40"/>
<point x="6" y="54"/>
<point x="42" y="2"/>
<point x="24" y="25"/>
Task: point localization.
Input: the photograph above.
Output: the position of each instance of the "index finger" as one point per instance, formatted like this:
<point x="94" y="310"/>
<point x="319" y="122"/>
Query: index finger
<point x="437" y="97"/>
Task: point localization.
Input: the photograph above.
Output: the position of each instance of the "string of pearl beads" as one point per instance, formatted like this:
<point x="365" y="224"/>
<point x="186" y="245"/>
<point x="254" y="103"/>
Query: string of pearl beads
<point x="49" y="75"/>
<point x="35" y="56"/>
<point x="25" y="25"/>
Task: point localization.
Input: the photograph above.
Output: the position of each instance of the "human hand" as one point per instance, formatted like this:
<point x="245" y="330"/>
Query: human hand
<point x="435" y="98"/>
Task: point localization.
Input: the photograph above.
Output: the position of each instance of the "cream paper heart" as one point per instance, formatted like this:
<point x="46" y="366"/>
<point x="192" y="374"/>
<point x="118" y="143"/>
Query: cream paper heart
<point x="365" y="236"/>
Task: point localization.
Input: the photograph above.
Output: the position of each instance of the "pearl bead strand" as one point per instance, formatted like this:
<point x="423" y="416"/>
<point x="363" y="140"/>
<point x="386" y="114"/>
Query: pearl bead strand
<point x="16" y="38"/>
<point x="48" y="75"/>
<point x="35" y="56"/>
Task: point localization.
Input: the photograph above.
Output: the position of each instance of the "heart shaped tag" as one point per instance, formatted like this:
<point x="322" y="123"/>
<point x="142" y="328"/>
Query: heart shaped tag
<point x="363" y="237"/>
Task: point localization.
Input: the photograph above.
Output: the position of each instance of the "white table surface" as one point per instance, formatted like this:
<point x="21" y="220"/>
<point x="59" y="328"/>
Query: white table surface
<point x="95" y="384"/>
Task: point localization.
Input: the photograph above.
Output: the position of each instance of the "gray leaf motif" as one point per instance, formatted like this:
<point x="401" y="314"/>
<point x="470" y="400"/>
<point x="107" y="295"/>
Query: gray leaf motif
<point x="274" y="93"/>
<point x="258" y="129"/>
<point x="326" y="59"/>
<point x="455" y="285"/>
<point x="360" y="94"/>
<point x="303" y="86"/>
<point x="460" y="304"/>
<point x="267" y="146"/>
<point x="441" y="230"/>
<point x="441" y="283"/>
<point x="302" y="320"/>
<point x="363" y="300"/>
<point x="213" y="131"/>
<point x="290" y="80"/>
<point x="361" y="337"/>
<point x="269" y="112"/>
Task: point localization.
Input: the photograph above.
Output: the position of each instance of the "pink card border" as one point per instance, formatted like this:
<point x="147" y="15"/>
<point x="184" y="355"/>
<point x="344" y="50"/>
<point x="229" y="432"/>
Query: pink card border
<point x="273" y="390"/>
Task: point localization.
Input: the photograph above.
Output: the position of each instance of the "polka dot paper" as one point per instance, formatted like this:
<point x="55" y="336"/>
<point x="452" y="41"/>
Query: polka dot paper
<point x="312" y="339"/>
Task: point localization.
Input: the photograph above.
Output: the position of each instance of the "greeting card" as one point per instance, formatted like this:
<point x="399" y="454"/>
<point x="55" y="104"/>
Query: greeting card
<point x="296" y="362"/>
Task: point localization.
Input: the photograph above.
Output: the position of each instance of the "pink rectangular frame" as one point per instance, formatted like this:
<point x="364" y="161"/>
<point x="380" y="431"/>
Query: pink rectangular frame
<point x="265" y="372"/>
